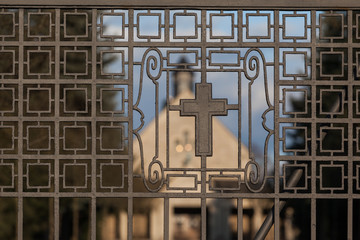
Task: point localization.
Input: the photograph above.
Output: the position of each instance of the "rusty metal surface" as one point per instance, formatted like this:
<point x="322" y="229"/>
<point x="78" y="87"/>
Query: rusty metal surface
<point x="260" y="66"/>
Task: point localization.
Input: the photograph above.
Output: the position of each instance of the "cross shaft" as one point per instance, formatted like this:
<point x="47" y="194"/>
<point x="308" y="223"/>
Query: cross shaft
<point x="203" y="108"/>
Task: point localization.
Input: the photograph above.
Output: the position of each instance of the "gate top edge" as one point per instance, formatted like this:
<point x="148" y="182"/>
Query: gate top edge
<point x="189" y="3"/>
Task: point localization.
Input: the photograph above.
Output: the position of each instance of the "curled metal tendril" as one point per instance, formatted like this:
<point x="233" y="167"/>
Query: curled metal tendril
<point x="148" y="61"/>
<point x="251" y="65"/>
<point x="254" y="63"/>
<point x="154" y="64"/>
<point x="154" y="175"/>
<point x="155" y="179"/>
<point x="252" y="177"/>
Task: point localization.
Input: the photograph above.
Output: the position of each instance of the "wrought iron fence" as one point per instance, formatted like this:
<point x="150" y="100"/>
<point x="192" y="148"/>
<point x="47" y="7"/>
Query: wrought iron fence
<point x="96" y="145"/>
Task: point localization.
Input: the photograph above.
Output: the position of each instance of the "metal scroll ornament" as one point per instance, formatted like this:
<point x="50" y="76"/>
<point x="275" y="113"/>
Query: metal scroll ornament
<point x="152" y="64"/>
<point x="254" y="64"/>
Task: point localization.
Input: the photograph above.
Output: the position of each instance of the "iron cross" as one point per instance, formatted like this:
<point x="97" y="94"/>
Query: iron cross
<point x="203" y="107"/>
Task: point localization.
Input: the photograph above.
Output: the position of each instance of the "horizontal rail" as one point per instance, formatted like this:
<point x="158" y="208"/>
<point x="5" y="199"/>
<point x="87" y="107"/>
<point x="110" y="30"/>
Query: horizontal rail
<point x="190" y="3"/>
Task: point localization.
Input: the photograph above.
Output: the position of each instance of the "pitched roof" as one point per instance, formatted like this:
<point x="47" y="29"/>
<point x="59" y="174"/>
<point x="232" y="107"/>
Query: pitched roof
<point x="225" y="144"/>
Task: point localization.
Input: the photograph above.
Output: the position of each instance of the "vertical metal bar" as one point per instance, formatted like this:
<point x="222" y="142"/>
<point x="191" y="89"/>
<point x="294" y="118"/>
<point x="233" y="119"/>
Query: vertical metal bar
<point x="313" y="125"/>
<point x="167" y="23"/>
<point x="130" y="217"/>
<point x="130" y="99"/>
<point x="167" y="165"/>
<point x="240" y="219"/>
<point x="93" y="122"/>
<point x="313" y="218"/>
<point x="203" y="158"/>
<point x="271" y="217"/>
<point x="277" y="164"/>
<point x="166" y="218"/>
<point x="240" y="29"/>
<point x="203" y="47"/>
<point x="350" y="218"/>
<point x="203" y="198"/>
<point x="57" y="107"/>
<point x="203" y="218"/>
<point x="240" y="23"/>
<point x="20" y="130"/>
<point x="350" y="125"/>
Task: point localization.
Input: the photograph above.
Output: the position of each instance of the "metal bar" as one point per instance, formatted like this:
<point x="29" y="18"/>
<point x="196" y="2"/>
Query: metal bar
<point x="350" y="211"/>
<point x="93" y="34"/>
<point x="189" y="3"/>
<point x="313" y="128"/>
<point x="269" y="221"/>
<point x="253" y="51"/>
<point x="130" y="209"/>
<point x="166" y="219"/>
<point x="57" y="130"/>
<point x="240" y="218"/>
<point x="20" y="213"/>
<point x="276" y="127"/>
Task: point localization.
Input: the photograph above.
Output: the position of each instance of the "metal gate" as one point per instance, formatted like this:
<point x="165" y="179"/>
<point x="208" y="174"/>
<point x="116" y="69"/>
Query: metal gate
<point x="96" y="145"/>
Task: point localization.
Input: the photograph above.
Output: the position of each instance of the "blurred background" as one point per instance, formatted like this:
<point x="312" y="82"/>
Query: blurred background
<point x="231" y="140"/>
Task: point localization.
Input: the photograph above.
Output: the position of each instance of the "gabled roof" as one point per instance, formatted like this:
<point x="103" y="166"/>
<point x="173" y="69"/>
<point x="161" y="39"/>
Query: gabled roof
<point x="225" y="144"/>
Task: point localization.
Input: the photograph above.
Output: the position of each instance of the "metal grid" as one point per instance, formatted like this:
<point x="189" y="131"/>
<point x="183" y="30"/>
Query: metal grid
<point x="56" y="118"/>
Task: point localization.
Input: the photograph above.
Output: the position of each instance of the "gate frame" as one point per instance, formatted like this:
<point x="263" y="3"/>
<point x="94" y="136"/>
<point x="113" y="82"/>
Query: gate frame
<point x="200" y="5"/>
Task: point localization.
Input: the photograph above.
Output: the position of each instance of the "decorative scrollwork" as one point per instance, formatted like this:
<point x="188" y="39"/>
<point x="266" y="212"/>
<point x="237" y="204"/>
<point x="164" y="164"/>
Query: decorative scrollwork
<point x="251" y="65"/>
<point x="252" y="176"/>
<point x="155" y="176"/>
<point x="152" y="62"/>
<point x="253" y="61"/>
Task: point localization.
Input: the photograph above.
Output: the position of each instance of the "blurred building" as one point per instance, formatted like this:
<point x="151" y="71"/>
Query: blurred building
<point x="185" y="214"/>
